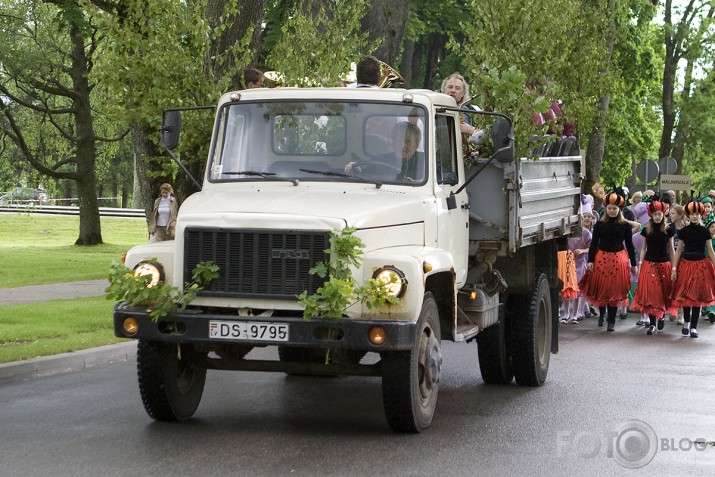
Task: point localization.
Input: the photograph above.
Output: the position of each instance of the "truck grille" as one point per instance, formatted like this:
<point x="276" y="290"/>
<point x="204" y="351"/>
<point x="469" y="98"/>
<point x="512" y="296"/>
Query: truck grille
<point x="257" y="263"/>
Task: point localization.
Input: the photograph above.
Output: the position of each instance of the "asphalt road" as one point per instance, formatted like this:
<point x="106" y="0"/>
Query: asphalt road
<point x="606" y="395"/>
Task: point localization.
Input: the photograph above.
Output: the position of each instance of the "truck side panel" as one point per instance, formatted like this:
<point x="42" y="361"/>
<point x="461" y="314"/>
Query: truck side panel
<point x="518" y="204"/>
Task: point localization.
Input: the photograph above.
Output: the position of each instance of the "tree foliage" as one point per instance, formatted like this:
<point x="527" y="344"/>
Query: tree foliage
<point x="319" y="41"/>
<point x="635" y="89"/>
<point x="51" y="50"/>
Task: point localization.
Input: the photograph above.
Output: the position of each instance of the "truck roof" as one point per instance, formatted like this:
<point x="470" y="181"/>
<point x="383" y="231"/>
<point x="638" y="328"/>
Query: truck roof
<point x="423" y="96"/>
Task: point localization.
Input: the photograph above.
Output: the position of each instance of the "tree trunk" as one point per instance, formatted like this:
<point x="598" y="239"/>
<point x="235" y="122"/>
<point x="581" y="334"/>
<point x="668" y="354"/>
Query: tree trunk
<point x="597" y="143"/>
<point x="682" y="132"/>
<point x="597" y="139"/>
<point x="405" y="68"/>
<point x="418" y="55"/>
<point x="146" y="185"/>
<point x="90" y="231"/>
<point x="249" y="17"/>
<point x="669" y="78"/>
<point x="435" y="51"/>
<point x="385" y="21"/>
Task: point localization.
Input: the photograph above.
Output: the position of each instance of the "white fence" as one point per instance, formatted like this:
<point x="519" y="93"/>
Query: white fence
<point x="30" y="206"/>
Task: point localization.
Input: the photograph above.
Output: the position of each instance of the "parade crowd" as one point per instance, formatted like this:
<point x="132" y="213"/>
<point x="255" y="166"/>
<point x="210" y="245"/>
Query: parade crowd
<point x="653" y="257"/>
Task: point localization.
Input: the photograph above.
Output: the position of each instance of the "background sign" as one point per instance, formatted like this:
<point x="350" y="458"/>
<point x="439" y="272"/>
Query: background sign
<point x="647" y="171"/>
<point x="668" y="182"/>
<point x="668" y="165"/>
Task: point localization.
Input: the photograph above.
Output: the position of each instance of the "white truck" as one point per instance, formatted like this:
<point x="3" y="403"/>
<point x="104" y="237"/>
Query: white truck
<point x="473" y="248"/>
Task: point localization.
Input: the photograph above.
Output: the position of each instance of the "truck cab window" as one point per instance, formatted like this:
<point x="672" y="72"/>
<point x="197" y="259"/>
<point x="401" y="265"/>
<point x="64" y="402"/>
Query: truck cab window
<point x="335" y="141"/>
<point x="445" y="150"/>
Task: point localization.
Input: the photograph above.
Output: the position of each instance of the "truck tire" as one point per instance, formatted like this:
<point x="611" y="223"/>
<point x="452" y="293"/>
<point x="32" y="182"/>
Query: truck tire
<point x="530" y="332"/>
<point x="494" y="359"/>
<point x="410" y="379"/>
<point x="170" y="386"/>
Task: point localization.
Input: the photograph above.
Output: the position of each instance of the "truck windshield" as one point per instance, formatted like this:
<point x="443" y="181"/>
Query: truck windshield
<point x="320" y="141"/>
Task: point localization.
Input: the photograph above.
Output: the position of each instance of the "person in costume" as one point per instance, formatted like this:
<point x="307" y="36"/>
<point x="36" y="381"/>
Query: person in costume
<point x="709" y="223"/>
<point x="678" y="220"/>
<point x="693" y="269"/>
<point x="642" y="215"/>
<point x="607" y="281"/>
<point x="708" y="204"/>
<point x="578" y="245"/>
<point x="569" y="292"/>
<point x="652" y="296"/>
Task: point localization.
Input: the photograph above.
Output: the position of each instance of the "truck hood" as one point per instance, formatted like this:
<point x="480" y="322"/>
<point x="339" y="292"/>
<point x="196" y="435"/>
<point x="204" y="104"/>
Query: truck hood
<point x="360" y="206"/>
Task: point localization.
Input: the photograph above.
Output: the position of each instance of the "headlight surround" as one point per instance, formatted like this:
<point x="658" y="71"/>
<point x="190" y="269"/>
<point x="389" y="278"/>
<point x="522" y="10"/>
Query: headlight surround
<point x="393" y="278"/>
<point x="151" y="268"/>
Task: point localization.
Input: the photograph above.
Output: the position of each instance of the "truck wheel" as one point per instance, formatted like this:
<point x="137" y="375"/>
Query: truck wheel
<point x="410" y="379"/>
<point x="530" y="330"/>
<point x="170" y="386"/>
<point x="494" y="359"/>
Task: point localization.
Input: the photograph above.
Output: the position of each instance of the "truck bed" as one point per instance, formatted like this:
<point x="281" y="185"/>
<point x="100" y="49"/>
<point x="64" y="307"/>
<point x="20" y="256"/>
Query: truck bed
<point x="513" y="205"/>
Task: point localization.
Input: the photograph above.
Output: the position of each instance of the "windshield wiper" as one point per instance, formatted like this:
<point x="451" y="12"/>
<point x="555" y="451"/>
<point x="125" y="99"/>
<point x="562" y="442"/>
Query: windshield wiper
<point x="378" y="184"/>
<point x="265" y="175"/>
<point x="250" y="173"/>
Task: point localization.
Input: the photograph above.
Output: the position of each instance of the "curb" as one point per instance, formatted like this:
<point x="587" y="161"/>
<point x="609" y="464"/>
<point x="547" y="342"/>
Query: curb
<point x="67" y="362"/>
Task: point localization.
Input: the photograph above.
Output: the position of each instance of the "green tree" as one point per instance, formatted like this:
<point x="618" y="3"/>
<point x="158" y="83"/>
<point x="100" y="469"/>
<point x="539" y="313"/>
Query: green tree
<point x="633" y="122"/>
<point x="319" y="41"/>
<point x="185" y="70"/>
<point x="49" y="51"/>
<point x="507" y="45"/>
<point x="687" y="31"/>
<point x="426" y="58"/>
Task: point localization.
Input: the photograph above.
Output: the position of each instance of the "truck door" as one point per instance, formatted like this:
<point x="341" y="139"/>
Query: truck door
<point x="453" y="223"/>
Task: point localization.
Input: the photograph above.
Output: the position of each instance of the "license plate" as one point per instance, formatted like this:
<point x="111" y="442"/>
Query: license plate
<point x="251" y="330"/>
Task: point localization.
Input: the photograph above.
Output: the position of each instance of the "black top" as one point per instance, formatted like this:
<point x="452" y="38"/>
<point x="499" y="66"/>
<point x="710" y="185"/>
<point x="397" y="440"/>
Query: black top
<point x="657" y="244"/>
<point x="628" y="214"/>
<point x="609" y="236"/>
<point x="694" y="237"/>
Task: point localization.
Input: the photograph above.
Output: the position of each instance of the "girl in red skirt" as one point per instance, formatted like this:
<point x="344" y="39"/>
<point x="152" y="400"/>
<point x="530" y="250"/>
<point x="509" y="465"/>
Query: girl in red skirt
<point x="654" y="284"/>
<point x="694" y="275"/>
<point x="607" y="280"/>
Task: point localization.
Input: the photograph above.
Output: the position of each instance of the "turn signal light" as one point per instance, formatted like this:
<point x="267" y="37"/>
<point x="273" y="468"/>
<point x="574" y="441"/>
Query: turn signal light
<point x="377" y="335"/>
<point x="130" y="326"/>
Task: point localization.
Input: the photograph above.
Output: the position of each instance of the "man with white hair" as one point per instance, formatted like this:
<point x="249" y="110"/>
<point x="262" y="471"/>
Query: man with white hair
<point x="457" y="87"/>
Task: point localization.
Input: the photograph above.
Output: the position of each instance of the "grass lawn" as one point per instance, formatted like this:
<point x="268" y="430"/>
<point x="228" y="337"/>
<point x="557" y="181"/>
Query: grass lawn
<point x="38" y="249"/>
<point x="52" y="327"/>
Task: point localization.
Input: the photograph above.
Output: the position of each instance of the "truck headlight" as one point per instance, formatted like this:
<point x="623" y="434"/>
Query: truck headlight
<point x="394" y="280"/>
<point x="153" y="269"/>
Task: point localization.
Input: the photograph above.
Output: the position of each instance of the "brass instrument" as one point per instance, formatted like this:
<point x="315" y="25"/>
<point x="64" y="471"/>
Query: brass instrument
<point x="389" y="76"/>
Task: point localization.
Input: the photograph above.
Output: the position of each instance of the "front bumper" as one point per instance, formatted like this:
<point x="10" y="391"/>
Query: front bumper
<point x="192" y="326"/>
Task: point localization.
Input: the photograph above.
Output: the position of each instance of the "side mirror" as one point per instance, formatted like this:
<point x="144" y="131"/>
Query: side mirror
<point x="170" y="129"/>
<point x="503" y="139"/>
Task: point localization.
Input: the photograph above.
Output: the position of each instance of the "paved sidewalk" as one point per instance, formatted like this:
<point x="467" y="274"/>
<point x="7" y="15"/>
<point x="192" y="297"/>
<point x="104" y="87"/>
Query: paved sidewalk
<point x="55" y="291"/>
<point x="66" y="362"/>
